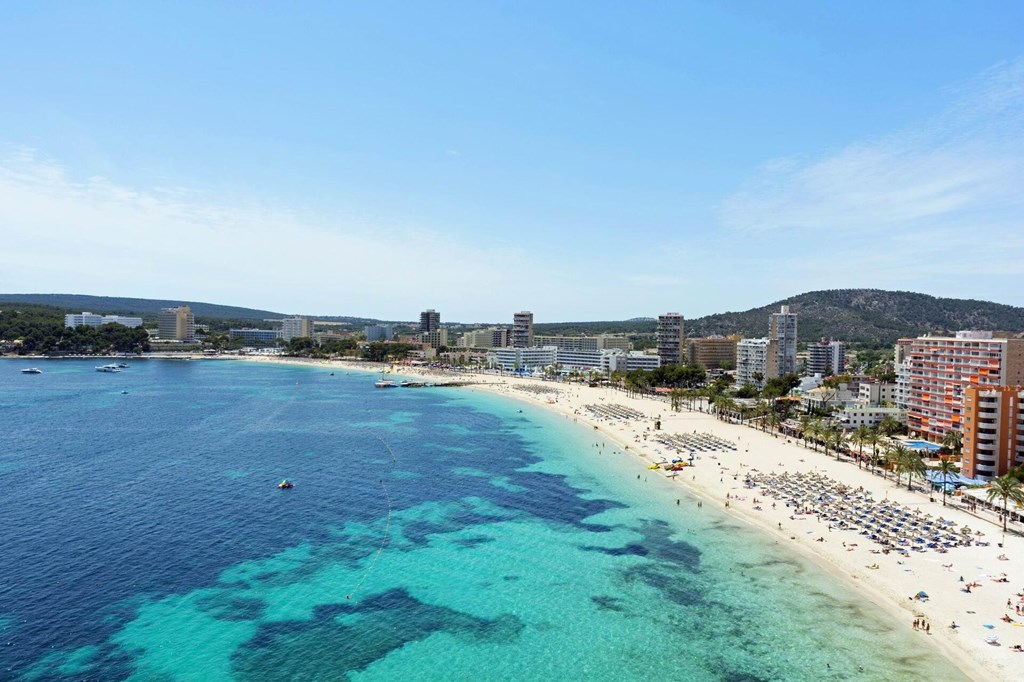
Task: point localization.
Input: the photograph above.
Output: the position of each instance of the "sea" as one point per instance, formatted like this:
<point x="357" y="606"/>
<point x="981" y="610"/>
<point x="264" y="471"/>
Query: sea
<point x="431" y="534"/>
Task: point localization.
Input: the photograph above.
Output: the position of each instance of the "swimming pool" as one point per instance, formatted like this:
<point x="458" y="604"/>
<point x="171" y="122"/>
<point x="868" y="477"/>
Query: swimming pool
<point x="921" y="445"/>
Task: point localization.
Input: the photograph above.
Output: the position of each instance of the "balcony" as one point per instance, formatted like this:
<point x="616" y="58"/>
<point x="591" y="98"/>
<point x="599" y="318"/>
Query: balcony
<point x="985" y="446"/>
<point x="988" y="470"/>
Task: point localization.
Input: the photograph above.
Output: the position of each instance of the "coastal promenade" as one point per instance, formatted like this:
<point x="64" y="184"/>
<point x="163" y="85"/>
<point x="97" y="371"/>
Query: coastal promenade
<point x="889" y="581"/>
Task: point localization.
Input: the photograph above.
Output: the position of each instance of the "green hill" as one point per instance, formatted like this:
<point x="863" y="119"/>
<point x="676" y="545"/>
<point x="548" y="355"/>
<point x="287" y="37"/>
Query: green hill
<point x="866" y="315"/>
<point x="111" y="305"/>
<point x="870" y="316"/>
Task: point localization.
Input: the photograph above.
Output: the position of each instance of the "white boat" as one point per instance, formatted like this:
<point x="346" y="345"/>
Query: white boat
<point x="108" y="368"/>
<point x="385" y="383"/>
<point x="31" y="370"/>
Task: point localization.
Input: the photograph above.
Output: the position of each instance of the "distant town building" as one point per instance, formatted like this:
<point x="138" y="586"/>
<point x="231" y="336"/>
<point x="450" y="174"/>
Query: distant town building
<point x="826" y="357"/>
<point x="522" y="329"/>
<point x="293" y="327"/>
<point x="255" y="336"/>
<point x="94" y="320"/>
<point x="782" y="330"/>
<point x="901" y="365"/>
<point x="379" y="332"/>
<point x="435" y="338"/>
<point x="756" y="361"/>
<point x="601" y="342"/>
<point x="176" y="324"/>
<point x="877" y="393"/>
<point x="942" y="367"/>
<point x="523" y="358"/>
<point x="485" y="338"/>
<point x="993" y="424"/>
<point x="671" y="339"/>
<point x="857" y="414"/>
<point x="430" y="321"/>
<point x="712" y="352"/>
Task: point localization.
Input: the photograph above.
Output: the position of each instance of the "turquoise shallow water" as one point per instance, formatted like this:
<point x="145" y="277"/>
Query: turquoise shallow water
<point x="150" y="543"/>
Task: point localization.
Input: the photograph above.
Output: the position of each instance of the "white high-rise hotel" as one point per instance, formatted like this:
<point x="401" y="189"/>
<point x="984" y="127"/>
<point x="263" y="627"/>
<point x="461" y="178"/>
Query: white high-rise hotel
<point x="782" y="330"/>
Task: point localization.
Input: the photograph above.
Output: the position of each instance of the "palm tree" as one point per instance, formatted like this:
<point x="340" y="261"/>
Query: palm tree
<point x="953" y="443"/>
<point x="761" y="410"/>
<point x="774" y="420"/>
<point x="836" y="437"/>
<point x="814" y="430"/>
<point x="676" y="398"/>
<point x="946" y="468"/>
<point x="831" y="435"/>
<point x="1005" y="488"/>
<point x="913" y="465"/>
<point x="896" y="455"/>
<point x="805" y="427"/>
<point x="873" y="439"/>
<point x="889" y="426"/>
<point x="860" y="436"/>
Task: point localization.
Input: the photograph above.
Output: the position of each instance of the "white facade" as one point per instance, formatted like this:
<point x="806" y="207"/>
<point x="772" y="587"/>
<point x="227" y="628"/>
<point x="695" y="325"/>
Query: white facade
<point x="826" y="357"/>
<point x="525" y="358"/>
<point x="782" y="330"/>
<point x="255" y="335"/>
<point x="877" y="394"/>
<point x="379" y="332"/>
<point x="755" y="356"/>
<point x="824" y="398"/>
<point x="292" y="327"/>
<point x="852" y="416"/>
<point x="617" y="360"/>
<point x="94" y="320"/>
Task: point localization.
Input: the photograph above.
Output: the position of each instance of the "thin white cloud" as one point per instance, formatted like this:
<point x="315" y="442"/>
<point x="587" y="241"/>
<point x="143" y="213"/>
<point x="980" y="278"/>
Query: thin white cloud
<point x="95" y="236"/>
<point x="963" y="168"/>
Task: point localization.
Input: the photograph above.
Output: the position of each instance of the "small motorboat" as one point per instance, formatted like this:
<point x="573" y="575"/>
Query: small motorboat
<point x="285" y="484"/>
<point x="31" y="370"/>
<point x="108" y="368"/>
<point x="385" y="383"/>
<point x="123" y="365"/>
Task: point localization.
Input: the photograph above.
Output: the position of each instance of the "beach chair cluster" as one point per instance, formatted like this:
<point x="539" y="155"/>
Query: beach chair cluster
<point x="614" y="411"/>
<point x="537" y="390"/>
<point x="893" y="526"/>
<point x="696" y="442"/>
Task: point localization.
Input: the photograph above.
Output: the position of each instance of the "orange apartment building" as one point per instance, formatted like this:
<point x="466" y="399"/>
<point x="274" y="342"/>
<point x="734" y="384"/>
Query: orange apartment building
<point x="993" y="428"/>
<point x="942" y="367"/>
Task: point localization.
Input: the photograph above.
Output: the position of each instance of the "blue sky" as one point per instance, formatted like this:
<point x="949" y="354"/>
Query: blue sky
<point x="581" y="160"/>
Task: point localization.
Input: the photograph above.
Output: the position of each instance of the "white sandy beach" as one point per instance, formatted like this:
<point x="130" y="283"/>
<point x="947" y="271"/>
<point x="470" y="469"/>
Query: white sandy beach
<point x="844" y="553"/>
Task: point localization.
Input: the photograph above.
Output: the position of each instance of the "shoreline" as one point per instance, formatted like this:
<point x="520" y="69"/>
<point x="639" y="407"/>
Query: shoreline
<point x="887" y="587"/>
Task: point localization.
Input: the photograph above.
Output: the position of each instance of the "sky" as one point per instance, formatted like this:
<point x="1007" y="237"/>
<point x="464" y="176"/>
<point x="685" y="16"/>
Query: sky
<point x="582" y="160"/>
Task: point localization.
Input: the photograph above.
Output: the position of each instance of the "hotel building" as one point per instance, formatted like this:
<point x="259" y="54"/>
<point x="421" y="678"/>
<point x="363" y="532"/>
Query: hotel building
<point x="942" y="367"/>
<point x="293" y="327"/>
<point x="94" y="320"/>
<point x="260" y="336"/>
<point x="176" y="324"/>
<point x="993" y="427"/>
<point x="756" y="357"/>
<point x="430" y="321"/>
<point x="826" y="357"/>
<point x="671" y="339"/>
<point x="379" y="332"/>
<point x="435" y="338"/>
<point x="602" y="342"/>
<point x="712" y="352"/>
<point x="522" y="330"/>
<point x="782" y="330"/>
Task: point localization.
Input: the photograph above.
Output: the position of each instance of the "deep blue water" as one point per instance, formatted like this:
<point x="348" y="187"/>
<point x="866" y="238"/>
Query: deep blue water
<point x="431" y="534"/>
